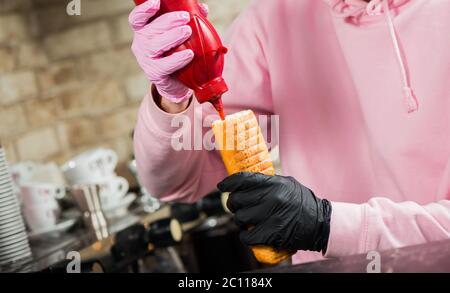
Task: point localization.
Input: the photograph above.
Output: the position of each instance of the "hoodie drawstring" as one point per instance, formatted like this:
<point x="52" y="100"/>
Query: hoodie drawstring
<point x="355" y="9"/>
<point x="410" y="99"/>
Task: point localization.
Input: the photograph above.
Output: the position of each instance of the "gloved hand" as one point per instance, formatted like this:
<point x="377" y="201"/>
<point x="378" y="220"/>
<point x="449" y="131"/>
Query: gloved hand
<point x="152" y="40"/>
<point x="282" y="213"/>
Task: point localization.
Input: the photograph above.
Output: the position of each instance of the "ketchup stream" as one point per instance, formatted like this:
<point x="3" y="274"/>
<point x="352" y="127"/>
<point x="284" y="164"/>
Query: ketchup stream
<point x="218" y="105"/>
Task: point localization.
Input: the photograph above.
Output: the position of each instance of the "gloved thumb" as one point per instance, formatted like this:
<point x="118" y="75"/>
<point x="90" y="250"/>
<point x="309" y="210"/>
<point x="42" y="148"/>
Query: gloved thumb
<point x="141" y="14"/>
<point x="242" y="181"/>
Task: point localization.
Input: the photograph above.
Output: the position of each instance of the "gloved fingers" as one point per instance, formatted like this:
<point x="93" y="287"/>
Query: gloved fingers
<point x="173" y="90"/>
<point x="250" y="217"/>
<point x="141" y="14"/>
<point x="242" y="181"/>
<point x="168" y="40"/>
<point x="170" y="64"/>
<point x="166" y="22"/>
<point x="262" y="234"/>
<point x="204" y="9"/>
<point x="251" y="237"/>
<point x="243" y="200"/>
<point x="254" y="236"/>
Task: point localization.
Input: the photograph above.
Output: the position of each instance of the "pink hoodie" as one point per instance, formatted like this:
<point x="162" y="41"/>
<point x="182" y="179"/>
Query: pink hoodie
<point x="363" y="96"/>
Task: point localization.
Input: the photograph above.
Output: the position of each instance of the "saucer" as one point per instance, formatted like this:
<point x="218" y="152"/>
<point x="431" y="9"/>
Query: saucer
<point x="121" y="208"/>
<point x="60" y="227"/>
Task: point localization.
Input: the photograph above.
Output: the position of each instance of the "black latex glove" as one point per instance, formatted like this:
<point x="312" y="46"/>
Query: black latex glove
<point x="285" y="214"/>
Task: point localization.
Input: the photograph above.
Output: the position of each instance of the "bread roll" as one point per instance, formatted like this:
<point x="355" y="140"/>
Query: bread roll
<point x="243" y="149"/>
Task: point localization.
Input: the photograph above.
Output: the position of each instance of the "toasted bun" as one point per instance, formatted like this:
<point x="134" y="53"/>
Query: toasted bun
<point x="242" y="145"/>
<point x="270" y="256"/>
<point x="243" y="149"/>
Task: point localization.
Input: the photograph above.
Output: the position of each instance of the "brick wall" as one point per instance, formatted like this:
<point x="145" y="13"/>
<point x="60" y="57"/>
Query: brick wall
<point x="69" y="83"/>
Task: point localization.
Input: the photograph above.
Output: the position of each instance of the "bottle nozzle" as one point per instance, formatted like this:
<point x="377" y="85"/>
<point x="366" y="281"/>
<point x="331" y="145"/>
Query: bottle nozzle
<point x="218" y="105"/>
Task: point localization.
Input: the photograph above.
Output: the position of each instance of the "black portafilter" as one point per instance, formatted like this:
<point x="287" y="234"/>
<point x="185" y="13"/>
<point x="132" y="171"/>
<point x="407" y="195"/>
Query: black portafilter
<point x="165" y="233"/>
<point x="136" y="240"/>
<point x="68" y="266"/>
<point x="211" y="205"/>
<point x="130" y="242"/>
<point x="185" y="212"/>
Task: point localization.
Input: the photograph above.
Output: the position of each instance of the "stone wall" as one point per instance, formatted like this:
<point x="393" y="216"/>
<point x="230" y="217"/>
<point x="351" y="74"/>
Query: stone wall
<point x="69" y="83"/>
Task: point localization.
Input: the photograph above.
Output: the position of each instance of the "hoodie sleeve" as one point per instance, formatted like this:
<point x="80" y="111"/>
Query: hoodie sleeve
<point x="165" y="170"/>
<point x="383" y="224"/>
<point x="187" y="175"/>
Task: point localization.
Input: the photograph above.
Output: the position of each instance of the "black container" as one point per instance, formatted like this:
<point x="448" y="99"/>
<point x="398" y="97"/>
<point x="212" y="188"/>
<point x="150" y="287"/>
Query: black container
<point x="218" y="248"/>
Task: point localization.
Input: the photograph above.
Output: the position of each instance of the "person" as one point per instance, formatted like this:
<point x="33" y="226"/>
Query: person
<point x="361" y="90"/>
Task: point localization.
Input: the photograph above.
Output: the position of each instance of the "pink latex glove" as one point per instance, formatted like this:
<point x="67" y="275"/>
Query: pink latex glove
<point x="152" y="40"/>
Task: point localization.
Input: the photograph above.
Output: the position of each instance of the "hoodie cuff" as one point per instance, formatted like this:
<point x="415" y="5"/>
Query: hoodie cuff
<point x="159" y="121"/>
<point x="348" y="230"/>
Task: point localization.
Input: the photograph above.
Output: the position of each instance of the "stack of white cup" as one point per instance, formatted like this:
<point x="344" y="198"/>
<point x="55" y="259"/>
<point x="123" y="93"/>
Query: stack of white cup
<point x="97" y="167"/>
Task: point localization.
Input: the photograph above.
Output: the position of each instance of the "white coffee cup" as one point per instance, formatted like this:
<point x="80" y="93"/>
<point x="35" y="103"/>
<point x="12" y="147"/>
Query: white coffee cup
<point x="41" y="194"/>
<point x="41" y="217"/>
<point x="90" y="166"/>
<point x="23" y="172"/>
<point x="112" y="191"/>
<point x="50" y="173"/>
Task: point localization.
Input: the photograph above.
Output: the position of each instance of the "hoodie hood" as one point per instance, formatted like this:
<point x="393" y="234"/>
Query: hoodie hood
<point x="358" y="12"/>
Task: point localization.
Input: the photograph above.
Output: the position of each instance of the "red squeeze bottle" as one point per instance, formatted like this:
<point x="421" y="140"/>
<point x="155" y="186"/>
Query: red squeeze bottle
<point x="204" y="73"/>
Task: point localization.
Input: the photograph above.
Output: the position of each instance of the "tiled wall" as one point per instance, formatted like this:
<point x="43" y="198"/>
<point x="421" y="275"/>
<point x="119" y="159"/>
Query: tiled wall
<point x="69" y="83"/>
